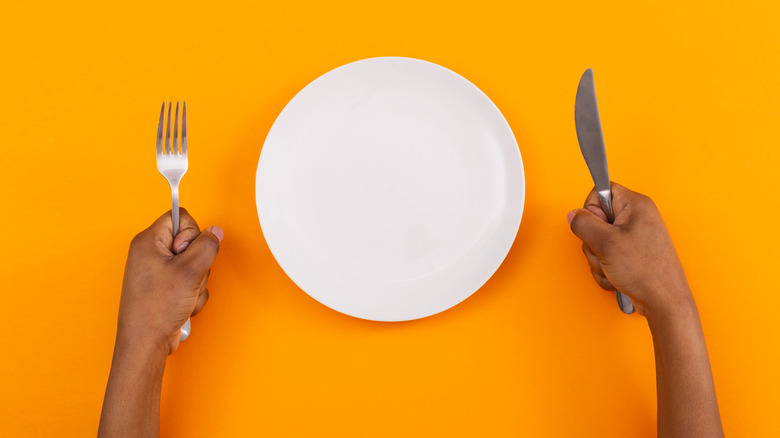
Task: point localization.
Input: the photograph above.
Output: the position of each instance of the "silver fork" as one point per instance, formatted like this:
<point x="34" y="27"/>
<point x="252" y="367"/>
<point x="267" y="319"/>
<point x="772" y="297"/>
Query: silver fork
<point x="172" y="164"/>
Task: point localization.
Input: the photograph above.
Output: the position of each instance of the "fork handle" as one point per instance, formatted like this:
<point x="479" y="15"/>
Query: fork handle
<point x="185" y="330"/>
<point x="187" y="327"/>
<point x="175" y="209"/>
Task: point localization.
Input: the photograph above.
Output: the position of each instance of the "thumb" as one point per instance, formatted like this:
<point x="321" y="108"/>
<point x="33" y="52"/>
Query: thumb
<point x="593" y="231"/>
<point x="200" y="254"/>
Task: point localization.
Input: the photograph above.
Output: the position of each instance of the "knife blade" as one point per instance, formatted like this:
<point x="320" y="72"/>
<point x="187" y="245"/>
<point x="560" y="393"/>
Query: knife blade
<point x="591" y="140"/>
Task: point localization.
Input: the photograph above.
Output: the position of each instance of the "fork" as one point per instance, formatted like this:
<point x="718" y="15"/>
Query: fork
<point x="172" y="164"/>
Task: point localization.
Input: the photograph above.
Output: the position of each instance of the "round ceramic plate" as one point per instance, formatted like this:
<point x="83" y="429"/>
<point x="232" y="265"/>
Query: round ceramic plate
<point x="390" y="189"/>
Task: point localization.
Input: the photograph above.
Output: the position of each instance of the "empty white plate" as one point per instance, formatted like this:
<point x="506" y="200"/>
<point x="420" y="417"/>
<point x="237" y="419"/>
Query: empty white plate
<point x="390" y="189"/>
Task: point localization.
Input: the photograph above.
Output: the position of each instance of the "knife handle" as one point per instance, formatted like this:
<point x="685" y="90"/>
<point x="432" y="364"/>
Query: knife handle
<point x="605" y="196"/>
<point x="624" y="302"/>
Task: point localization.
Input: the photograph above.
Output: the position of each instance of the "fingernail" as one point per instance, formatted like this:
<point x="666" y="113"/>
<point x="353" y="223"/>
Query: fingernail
<point x="570" y="216"/>
<point x="217" y="231"/>
<point x="182" y="247"/>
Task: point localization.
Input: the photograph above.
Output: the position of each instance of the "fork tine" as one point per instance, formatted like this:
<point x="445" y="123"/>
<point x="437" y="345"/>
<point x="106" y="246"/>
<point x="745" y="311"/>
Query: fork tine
<point x="168" y="132"/>
<point x="176" y="131"/>
<point x="184" y="130"/>
<point x="160" y="130"/>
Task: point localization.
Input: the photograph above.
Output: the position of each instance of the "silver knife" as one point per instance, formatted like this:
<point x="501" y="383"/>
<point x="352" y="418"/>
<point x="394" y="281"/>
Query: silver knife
<point x="591" y="139"/>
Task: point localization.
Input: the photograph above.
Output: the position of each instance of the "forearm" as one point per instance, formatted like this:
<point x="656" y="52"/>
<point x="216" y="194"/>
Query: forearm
<point x="687" y="406"/>
<point x="132" y="402"/>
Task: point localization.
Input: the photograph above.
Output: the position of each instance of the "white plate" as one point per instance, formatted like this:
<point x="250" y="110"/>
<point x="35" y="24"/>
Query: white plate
<point x="390" y="189"/>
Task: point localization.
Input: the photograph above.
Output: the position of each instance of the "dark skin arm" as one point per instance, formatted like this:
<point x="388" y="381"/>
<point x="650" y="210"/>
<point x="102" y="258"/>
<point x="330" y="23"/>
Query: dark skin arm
<point x="164" y="284"/>
<point x="636" y="256"/>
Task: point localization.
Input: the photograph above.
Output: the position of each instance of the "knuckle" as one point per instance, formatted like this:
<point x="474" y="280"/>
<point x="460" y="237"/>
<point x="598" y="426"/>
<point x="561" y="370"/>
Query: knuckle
<point x="603" y="282"/>
<point x="191" y="271"/>
<point x="191" y="276"/>
<point x="605" y="244"/>
<point x="187" y="219"/>
<point x="647" y="202"/>
<point x="138" y="240"/>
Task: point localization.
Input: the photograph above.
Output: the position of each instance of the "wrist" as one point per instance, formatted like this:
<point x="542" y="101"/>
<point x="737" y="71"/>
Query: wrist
<point x="141" y="338"/>
<point x="146" y="349"/>
<point x="680" y="309"/>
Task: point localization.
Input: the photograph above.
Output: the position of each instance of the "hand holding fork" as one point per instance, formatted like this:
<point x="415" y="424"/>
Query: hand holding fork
<point x="172" y="164"/>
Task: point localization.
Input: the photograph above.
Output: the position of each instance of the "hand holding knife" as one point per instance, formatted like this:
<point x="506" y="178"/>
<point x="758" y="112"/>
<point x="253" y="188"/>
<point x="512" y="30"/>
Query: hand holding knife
<point x="591" y="139"/>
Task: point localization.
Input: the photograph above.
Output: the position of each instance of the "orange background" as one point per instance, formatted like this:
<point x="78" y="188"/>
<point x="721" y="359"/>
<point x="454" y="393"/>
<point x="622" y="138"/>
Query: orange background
<point x="690" y="102"/>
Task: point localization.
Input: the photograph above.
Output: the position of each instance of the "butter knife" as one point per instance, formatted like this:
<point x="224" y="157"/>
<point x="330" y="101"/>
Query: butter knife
<point x="591" y="139"/>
